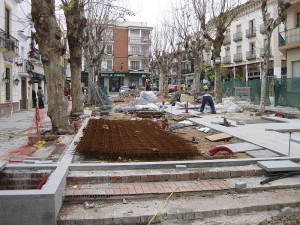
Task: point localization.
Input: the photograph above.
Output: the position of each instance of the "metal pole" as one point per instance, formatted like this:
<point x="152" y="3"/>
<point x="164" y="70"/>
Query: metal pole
<point x="290" y="143"/>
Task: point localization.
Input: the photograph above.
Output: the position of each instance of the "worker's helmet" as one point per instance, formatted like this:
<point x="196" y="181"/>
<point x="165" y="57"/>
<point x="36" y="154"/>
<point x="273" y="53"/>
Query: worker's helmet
<point x="205" y="87"/>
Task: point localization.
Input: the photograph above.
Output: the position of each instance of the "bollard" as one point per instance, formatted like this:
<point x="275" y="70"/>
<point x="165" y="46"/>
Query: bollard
<point x="75" y="124"/>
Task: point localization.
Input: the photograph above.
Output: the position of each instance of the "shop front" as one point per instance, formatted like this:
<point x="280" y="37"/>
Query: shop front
<point x="114" y="81"/>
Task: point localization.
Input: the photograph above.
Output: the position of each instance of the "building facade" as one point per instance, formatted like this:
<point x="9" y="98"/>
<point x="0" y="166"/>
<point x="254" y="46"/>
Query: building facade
<point x="127" y="57"/>
<point x="19" y="73"/>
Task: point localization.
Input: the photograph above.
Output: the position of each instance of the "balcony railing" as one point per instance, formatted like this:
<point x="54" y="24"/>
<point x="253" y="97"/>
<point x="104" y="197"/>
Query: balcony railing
<point x="9" y="42"/>
<point x="238" y="57"/>
<point x="251" y="32"/>
<point x="289" y="37"/>
<point x="108" y="68"/>
<point x="22" y="65"/>
<point x="207" y="63"/>
<point x="238" y="36"/>
<point x="262" y="29"/>
<point x="227" y="40"/>
<point x="251" y="55"/>
<point x="187" y="71"/>
<point x="226" y="60"/>
<point x="139" y="40"/>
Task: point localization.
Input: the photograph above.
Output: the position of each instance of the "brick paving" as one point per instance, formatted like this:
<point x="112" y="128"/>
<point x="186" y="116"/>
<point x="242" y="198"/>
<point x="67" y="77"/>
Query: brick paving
<point x="118" y="189"/>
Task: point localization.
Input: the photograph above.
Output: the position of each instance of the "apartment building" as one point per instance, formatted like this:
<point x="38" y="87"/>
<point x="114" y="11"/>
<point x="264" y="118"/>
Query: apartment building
<point x="18" y="75"/>
<point x="127" y="56"/>
<point x="242" y="52"/>
<point x="289" y="41"/>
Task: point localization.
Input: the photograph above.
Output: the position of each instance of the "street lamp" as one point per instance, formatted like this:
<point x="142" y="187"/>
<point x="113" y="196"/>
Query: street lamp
<point x="16" y="81"/>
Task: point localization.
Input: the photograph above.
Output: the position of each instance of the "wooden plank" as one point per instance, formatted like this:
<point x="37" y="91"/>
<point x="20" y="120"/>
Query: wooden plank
<point x="219" y="137"/>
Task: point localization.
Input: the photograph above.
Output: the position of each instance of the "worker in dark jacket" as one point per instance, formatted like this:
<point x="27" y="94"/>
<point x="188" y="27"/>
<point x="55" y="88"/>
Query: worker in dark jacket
<point x="207" y="99"/>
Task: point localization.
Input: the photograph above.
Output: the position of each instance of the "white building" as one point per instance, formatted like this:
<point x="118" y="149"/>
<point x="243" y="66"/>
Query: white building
<point x="242" y="52"/>
<point x="15" y="69"/>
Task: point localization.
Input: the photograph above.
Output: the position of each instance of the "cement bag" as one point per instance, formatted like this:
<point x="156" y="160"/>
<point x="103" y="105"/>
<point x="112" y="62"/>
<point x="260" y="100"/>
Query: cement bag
<point x="231" y="107"/>
<point x="149" y="96"/>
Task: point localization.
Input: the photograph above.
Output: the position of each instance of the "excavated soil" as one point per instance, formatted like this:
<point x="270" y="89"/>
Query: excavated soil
<point x="144" y="139"/>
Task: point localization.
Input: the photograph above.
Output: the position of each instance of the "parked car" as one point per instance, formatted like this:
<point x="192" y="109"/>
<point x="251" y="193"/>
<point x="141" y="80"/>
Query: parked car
<point x="123" y="89"/>
<point x="172" y="88"/>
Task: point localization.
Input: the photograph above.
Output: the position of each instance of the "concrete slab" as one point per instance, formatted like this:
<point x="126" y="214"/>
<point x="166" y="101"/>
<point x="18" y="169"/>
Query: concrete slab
<point x="264" y="153"/>
<point x="2" y="165"/>
<point x="219" y="137"/>
<point x="242" y="147"/>
<point x="279" y="165"/>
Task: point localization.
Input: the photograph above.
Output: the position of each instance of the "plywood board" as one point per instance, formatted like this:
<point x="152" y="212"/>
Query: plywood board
<point x="242" y="147"/>
<point x="279" y="165"/>
<point x="219" y="137"/>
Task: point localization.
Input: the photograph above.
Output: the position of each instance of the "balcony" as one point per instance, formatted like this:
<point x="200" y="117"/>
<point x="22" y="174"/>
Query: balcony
<point x="251" y="55"/>
<point x="238" y="57"/>
<point x="139" y="40"/>
<point x="207" y="63"/>
<point x="107" y="69"/>
<point x="262" y="29"/>
<point x="22" y="65"/>
<point x="251" y="32"/>
<point x="227" y="40"/>
<point x="238" y="36"/>
<point x="262" y="52"/>
<point x="187" y="71"/>
<point x="290" y="37"/>
<point x="10" y="43"/>
<point x="37" y="55"/>
<point x="226" y="60"/>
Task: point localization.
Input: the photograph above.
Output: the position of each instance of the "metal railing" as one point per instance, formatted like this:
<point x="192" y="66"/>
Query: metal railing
<point x="238" y="36"/>
<point x="22" y="65"/>
<point x="9" y="42"/>
<point x="238" y="57"/>
<point x="251" y="55"/>
<point x="289" y="36"/>
<point x="226" y="60"/>
<point x="262" y="52"/>
<point x="251" y="32"/>
<point x="227" y="40"/>
<point x="139" y="39"/>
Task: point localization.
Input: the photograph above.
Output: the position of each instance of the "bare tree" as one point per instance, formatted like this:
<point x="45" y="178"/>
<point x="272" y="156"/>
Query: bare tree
<point x="220" y="14"/>
<point x="269" y="25"/>
<point x="163" y="56"/>
<point x="48" y="37"/>
<point x="76" y="23"/>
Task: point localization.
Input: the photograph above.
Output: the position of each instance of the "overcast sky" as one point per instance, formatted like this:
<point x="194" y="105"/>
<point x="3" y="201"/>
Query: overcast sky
<point x="149" y="11"/>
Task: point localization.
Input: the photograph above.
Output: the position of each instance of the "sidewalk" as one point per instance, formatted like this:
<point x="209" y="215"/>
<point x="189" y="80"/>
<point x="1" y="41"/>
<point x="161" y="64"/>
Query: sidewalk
<point x="15" y="130"/>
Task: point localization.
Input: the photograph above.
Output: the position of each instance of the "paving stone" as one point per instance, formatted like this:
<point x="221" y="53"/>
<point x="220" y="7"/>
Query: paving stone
<point x="279" y="165"/>
<point x="2" y="165"/>
<point x="242" y="147"/>
<point x="264" y="153"/>
<point x="240" y="185"/>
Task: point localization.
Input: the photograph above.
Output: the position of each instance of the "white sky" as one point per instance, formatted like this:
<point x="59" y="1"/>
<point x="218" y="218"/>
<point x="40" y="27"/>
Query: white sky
<point x="149" y="11"/>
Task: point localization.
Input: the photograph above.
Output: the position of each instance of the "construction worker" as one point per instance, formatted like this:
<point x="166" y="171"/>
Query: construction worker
<point x="207" y="99"/>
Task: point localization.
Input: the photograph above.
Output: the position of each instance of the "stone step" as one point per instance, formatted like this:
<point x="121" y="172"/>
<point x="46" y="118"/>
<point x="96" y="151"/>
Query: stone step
<point x="155" y="175"/>
<point x="151" y="189"/>
<point x="192" y="206"/>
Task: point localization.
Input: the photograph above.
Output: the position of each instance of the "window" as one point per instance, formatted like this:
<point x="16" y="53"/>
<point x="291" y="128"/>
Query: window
<point x="298" y="19"/>
<point x="109" y="49"/>
<point x="7" y="85"/>
<point x="134" y="50"/>
<point x="109" y="65"/>
<point x="134" y="65"/>
<point x="251" y="26"/>
<point x="252" y="47"/>
<point x="7" y="19"/>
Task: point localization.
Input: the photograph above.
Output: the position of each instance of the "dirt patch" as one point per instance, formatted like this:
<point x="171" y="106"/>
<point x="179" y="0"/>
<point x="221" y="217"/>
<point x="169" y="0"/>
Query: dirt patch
<point x="57" y="152"/>
<point x="291" y="219"/>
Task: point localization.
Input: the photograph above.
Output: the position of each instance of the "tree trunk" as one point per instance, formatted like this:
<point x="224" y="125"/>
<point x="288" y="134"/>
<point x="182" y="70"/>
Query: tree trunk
<point x="262" y="105"/>
<point x="49" y="41"/>
<point x="75" y="25"/>
<point x="218" y="84"/>
<point x="196" y="79"/>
